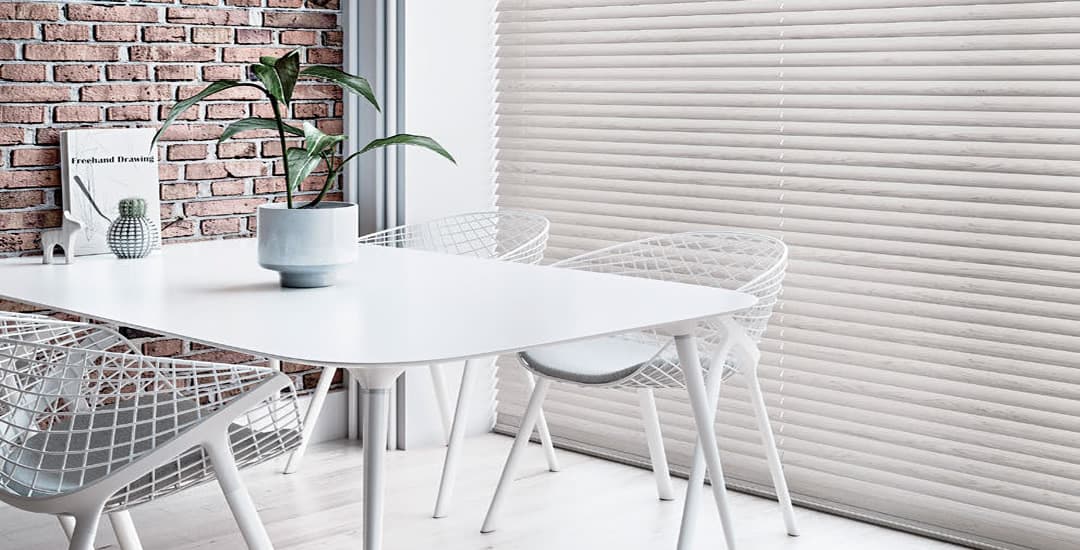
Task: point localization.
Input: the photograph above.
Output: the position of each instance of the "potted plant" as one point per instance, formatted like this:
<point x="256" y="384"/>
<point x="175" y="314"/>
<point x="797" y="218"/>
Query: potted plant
<point x="306" y="242"/>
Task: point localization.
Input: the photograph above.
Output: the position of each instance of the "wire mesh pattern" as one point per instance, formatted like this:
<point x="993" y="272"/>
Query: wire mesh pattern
<point x="746" y="262"/>
<point x="80" y="407"/>
<point x="505" y="235"/>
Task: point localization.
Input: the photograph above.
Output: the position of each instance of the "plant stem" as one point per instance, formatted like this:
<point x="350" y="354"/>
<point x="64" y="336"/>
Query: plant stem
<point x="331" y="173"/>
<point x="284" y="148"/>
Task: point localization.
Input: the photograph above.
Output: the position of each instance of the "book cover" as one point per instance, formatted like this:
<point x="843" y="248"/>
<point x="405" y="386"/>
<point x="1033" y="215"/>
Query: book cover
<point x="113" y="164"/>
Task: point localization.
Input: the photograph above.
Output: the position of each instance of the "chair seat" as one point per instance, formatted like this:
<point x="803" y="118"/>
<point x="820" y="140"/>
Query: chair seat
<point x="596" y="361"/>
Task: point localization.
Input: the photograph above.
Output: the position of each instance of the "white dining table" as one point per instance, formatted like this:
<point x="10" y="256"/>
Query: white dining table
<point x="391" y="310"/>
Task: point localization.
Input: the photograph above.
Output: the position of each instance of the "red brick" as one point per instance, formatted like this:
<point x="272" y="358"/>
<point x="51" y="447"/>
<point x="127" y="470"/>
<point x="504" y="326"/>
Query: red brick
<point x="223" y="72"/>
<point x="284" y="3"/>
<point x="175" y="72"/>
<point x="21" y="199"/>
<point x="230" y="187"/>
<point x="191" y="113"/>
<point x="33" y="94"/>
<point x="253" y="36"/>
<point x="183" y="228"/>
<point x="128" y="112"/>
<point x="179" y="191"/>
<point x="7" y="51"/>
<point x="192" y="132"/>
<point x="316" y="91"/>
<point x="306" y="38"/>
<point x="70" y="52"/>
<point x="168" y="172"/>
<point x="199" y="2"/>
<point x="310" y="110"/>
<point x="222" y="356"/>
<point x="251" y="54"/>
<point x="30" y="220"/>
<point x="323" y="4"/>
<point x="77" y="113"/>
<point x="262" y="110"/>
<point x="76" y="73"/>
<point x="277" y="185"/>
<point x="116" y="33"/>
<point x="127" y="71"/>
<point x="220" y="226"/>
<point x="245" y="168"/>
<point x="211" y="35"/>
<point x="125" y="92"/>
<point x="226" y="110"/>
<point x="222" y="207"/>
<point x="244" y="3"/>
<point x="331" y="38"/>
<point x="164" y="34"/>
<point x="23" y="72"/>
<point x="206" y="16"/>
<point x="187" y="151"/>
<point x="112" y="13"/>
<point x="171" y="53"/>
<point x="22" y="114"/>
<point x="330" y="125"/>
<point x="163" y="348"/>
<point x="243" y="92"/>
<point x="19" y="242"/>
<point x="36" y="12"/>
<point x="15" y="179"/>
<point x="77" y="33"/>
<point x="47" y="136"/>
<point x="294" y="20"/>
<point x="205" y="171"/>
<point x="236" y="149"/>
<point x="324" y="56"/>
<point x="15" y="31"/>
<point x="37" y="156"/>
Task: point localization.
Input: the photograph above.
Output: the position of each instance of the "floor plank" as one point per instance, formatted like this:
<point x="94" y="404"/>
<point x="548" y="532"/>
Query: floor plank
<point x="590" y="504"/>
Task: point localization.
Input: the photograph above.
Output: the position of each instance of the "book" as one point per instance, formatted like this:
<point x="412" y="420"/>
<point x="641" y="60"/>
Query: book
<point x="113" y="164"/>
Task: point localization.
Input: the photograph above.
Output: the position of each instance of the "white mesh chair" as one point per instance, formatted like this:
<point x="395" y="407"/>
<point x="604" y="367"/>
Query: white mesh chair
<point x="648" y="360"/>
<point x="87" y="426"/>
<point x="508" y="235"/>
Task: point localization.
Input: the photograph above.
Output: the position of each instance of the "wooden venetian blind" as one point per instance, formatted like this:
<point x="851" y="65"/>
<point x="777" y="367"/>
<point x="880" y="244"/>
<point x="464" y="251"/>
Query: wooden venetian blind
<point x="920" y="157"/>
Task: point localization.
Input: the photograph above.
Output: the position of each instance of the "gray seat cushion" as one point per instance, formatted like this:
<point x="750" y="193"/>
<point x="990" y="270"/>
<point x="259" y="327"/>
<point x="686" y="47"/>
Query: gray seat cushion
<point x="597" y="361"/>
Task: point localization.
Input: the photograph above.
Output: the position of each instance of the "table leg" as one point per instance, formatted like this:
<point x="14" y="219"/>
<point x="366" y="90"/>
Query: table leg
<point x="376" y="386"/>
<point x="318" y="399"/>
<point x="690" y="362"/>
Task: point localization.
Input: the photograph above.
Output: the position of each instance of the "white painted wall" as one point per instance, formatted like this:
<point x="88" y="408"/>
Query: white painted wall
<point x="448" y="96"/>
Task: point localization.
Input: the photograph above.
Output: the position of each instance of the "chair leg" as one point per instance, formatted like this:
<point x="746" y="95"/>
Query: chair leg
<point x="457" y="438"/>
<point x="243" y="509"/>
<point x="655" y="438"/>
<point x="442" y="399"/>
<point x="545" y="433"/>
<point x="124" y="528"/>
<point x="318" y="399"/>
<point x="67" y="523"/>
<point x="704" y="420"/>
<point x="86" y="526"/>
<point x="776" y="469"/>
<point x="536" y="401"/>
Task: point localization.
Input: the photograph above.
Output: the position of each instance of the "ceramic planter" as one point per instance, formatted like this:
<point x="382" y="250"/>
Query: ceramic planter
<point x="307" y="245"/>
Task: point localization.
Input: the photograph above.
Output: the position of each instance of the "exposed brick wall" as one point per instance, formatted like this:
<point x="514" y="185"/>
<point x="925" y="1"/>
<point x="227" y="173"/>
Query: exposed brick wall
<point x="96" y="64"/>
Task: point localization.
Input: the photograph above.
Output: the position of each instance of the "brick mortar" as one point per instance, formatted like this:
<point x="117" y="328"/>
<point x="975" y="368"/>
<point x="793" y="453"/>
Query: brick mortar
<point x="21" y="223"/>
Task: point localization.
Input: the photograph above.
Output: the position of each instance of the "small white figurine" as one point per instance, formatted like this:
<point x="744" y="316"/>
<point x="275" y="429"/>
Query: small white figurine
<point x="64" y="236"/>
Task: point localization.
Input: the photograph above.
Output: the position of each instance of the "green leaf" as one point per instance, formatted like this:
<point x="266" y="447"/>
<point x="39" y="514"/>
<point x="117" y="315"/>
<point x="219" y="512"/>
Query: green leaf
<point x="301" y="163"/>
<point x="288" y="70"/>
<point x="269" y="77"/>
<point x="409" y="139"/>
<point x="182" y="106"/>
<point x="355" y="84"/>
<point x="267" y="60"/>
<point x="246" y="124"/>
<point x="318" y="142"/>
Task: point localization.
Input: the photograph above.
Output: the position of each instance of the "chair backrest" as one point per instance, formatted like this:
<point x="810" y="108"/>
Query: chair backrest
<point x="747" y="262"/>
<point x="503" y="235"/>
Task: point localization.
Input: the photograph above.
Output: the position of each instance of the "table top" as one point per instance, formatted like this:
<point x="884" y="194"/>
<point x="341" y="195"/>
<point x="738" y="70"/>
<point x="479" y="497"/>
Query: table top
<point x="392" y="307"/>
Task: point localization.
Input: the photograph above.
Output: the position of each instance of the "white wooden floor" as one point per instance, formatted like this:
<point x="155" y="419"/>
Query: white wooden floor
<point x="590" y="504"/>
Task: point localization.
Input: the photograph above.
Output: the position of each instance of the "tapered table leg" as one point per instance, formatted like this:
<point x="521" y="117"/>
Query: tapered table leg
<point x="375" y="392"/>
